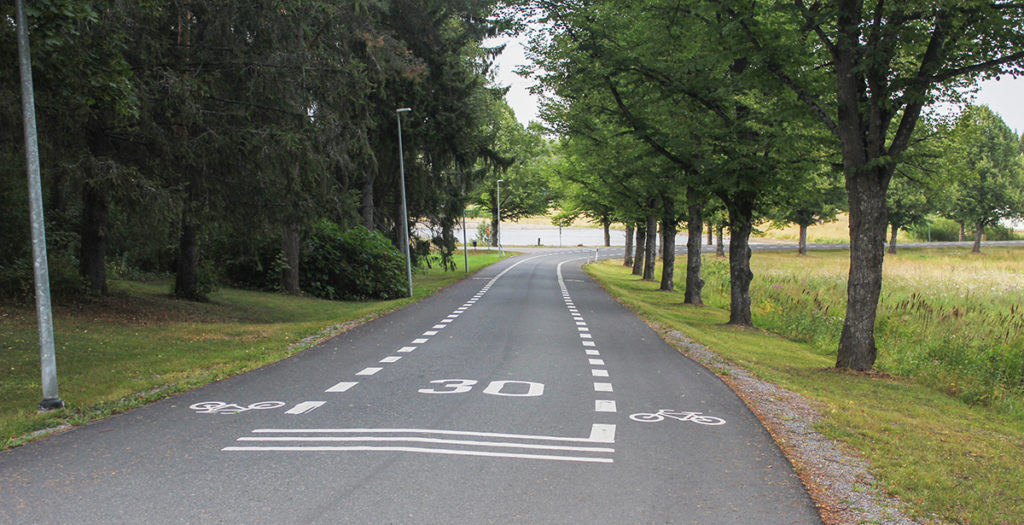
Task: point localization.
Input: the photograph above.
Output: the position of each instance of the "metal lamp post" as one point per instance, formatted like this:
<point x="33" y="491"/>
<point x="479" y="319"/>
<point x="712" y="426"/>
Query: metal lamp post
<point x="47" y="355"/>
<point x="401" y="184"/>
<point x="497" y="229"/>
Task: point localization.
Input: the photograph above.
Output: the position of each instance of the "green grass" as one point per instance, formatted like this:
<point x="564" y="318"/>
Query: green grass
<point x="949" y="460"/>
<point x="139" y="344"/>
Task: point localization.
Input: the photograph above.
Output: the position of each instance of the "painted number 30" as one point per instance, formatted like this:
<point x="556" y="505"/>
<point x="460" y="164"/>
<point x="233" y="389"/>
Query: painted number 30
<point x="495" y="388"/>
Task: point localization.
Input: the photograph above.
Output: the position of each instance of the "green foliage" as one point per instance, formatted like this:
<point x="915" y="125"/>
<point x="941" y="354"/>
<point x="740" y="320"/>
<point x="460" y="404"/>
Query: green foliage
<point x="986" y="167"/>
<point x="357" y="264"/>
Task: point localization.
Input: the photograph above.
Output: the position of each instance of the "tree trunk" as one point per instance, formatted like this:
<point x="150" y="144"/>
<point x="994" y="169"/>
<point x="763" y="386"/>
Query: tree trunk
<point x="695" y="220"/>
<point x="892" y="239"/>
<point x="802" y="249"/>
<point x="668" y="246"/>
<point x="628" y="258"/>
<point x="978" y="232"/>
<point x="494" y="229"/>
<point x="186" y="277"/>
<point x="290" y="248"/>
<point x="868" y="221"/>
<point x="719" y="241"/>
<point x="651" y="250"/>
<point x="963" y="233"/>
<point x="93" y="252"/>
<point x="607" y="223"/>
<point x="710" y="230"/>
<point x="640" y="249"/>
<point x="741" y="218"/>
<point x="366" y="207"/>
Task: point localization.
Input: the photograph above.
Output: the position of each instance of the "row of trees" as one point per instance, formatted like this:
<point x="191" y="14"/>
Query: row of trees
<point x="208" y="138"/>
<point x="761" y="106"/>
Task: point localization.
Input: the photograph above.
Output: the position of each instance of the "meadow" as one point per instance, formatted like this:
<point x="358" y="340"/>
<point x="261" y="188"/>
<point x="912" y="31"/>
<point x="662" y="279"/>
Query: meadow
<point x="948" y="319"/>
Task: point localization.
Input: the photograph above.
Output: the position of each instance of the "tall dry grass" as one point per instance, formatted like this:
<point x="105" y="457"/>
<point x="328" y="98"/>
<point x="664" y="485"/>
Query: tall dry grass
<point x="946" y="318"/>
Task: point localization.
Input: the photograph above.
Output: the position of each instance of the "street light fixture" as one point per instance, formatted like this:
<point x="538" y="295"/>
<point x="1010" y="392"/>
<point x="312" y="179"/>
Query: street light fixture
<point x="497" y="228"/>
<point x="401" y="184"/>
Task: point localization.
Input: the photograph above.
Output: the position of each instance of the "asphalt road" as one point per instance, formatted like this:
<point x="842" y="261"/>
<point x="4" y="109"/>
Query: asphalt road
<point x="524" y="394"/>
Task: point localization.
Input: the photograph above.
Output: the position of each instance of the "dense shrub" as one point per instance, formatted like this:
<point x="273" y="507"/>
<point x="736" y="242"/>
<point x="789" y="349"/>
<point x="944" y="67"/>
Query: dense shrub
<point x="945" y="230"/>
<point x="354" y="264"/>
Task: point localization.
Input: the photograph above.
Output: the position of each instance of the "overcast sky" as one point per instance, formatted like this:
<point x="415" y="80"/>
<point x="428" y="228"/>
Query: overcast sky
<point x="1003" y="96"/>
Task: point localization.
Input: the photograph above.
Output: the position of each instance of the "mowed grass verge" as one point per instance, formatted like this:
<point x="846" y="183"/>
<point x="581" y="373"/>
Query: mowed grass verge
<point x="140" y="344"/>
<point x="949" y="459"/>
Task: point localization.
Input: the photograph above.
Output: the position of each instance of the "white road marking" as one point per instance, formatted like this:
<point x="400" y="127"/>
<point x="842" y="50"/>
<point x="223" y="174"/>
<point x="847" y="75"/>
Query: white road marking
<point x="342" y="387"/>
<point x="305" y="407"/>
<point x="430" y="332"/>
<point x="496" y="444"/>
<point x="421" y="450"/>
<point x="602" y="433"/>
<point x="604" y="405"/>
<point x="391" y="359"/>
<point x="603" y="387"/>
<point x="583" y="328"/>
<point x="592" y="352"/>
<point x="406" y="349"/>
<point x="446" y="320"/>
<point x="595" y="429"/>
<point x="439" y="326"/>
<point x="419" y="341"/>
<point x="586" y="336"/>
<point x="369" y="371"/>
<point x="589" y="343"/>
<point x="453" y="316"/>
<point x="596" y="362"/>
<point x="597" y="372"/>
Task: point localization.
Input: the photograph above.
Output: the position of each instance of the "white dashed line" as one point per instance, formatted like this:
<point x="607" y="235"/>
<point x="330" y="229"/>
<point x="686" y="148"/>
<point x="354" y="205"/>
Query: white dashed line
<point x="596" y="362"/>
<point x="592" y="352"/>
<point x="369" y="371"/>
<point x="430" y="332"/>
<point x="604" y="405"/>
<point x="597" y="372"/>
<point x="342" y="387"/>
<point x="419" y="341"/>
<point x="603" y="387"/>
<point x="305" y="407"/>
<point x="391" y="359"/>
<point x="588" y="343"/>
<point x="406" y="349"/>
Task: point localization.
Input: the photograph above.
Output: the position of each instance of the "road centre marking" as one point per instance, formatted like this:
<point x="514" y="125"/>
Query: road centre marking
<point x="603" y="387"/>
<point x="369" y="371"/>
<point x="342" y="387"/>
<point x="406" y="349"/>
<point x="419" y="341"/>
<point x="305" y="407"/>
<point x="391" y="359"/>
<point x="597" y="372"/>
<point x="604" y="405"/>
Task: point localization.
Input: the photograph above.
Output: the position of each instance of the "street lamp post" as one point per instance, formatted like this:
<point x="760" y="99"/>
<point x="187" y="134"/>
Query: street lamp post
<point x="47" y="354"/>
<point x="405" y="212"/>
<point x="497" y="229"/>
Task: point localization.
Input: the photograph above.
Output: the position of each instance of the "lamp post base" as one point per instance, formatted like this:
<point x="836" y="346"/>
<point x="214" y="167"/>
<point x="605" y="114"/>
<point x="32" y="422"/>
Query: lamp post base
<point x="54" y="403"/>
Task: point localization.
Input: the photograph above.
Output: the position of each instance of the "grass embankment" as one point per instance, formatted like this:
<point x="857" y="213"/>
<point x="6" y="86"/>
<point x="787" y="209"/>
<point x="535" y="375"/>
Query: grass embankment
<point x="944" y="432"/>
<point x="139" y="344"/>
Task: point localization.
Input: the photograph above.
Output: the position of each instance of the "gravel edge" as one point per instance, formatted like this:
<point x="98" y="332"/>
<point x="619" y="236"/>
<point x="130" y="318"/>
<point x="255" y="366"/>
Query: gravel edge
<point x="838" y="480"/>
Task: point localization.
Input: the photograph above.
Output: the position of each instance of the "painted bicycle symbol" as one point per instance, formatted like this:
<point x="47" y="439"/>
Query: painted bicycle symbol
<point x="220" y="407"/>
<point x="660" y="415"/>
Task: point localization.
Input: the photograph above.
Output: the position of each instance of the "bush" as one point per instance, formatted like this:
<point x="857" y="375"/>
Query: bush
<point x="357" y="264"/>
<point x="946" y="230"/>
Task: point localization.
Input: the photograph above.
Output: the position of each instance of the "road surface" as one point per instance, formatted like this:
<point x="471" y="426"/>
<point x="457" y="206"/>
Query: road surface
<point x="524" y="394"/>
